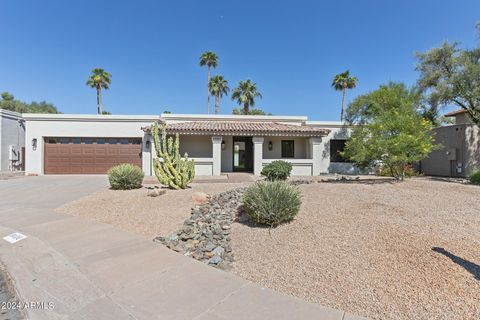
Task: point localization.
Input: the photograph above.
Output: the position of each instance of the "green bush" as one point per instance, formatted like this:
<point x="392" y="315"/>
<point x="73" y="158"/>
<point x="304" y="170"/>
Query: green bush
<point x="125" y="176"/>
<point x="271" y="203"/>
<point x="475" y="177"/>
<point x="277" y="170"/>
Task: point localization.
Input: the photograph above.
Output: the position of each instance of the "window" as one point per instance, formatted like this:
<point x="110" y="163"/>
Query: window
<point x="288" y="149"/>
<point x="124" y="141"/>
<point x="337" y="146"/>
<point x="136" y="141"/>
<point x="76" y="140"/>
<point x="100" y="141"/>
<point x="88" y="140"/>
<point x="64" y="140"/>
<point x="112" y="141"/>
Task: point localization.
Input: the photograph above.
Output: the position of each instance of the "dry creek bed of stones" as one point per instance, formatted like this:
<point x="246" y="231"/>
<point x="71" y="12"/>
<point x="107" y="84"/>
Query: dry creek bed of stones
<point x="205" y="236"/>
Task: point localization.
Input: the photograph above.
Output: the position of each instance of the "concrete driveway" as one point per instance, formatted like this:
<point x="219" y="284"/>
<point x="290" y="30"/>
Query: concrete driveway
<point x="90" y="270"/>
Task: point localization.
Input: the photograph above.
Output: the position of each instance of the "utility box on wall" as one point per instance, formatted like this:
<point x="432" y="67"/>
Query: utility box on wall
<point x="451" y="154"/>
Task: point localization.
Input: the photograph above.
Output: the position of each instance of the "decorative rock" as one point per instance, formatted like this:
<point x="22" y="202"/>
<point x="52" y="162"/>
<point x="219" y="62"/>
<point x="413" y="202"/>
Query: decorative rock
<point x="214" y="260"/>
<point x="155" y="192"/>
<point x="218" y="251"/>
<point x="200" y="197"/>
<point x="209" y="247"/>
<point x="205" y="236"/>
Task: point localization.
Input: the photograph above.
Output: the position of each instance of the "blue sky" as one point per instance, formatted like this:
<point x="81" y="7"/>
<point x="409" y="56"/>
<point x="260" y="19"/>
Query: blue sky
<point x="291" y="49"/>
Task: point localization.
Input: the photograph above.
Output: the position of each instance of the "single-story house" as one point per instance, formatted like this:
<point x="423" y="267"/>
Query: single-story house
<point x="89" y="144"/>
<point x="12" y="141"/>
<point x="459" y="154"/>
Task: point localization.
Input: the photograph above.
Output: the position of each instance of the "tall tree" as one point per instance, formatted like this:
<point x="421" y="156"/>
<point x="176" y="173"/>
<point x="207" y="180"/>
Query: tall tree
<point x="209" y="59"/>
<point x="218" y="87"/>
<point x="449" y="75"/>
<point x="342" y="82"/>
<point x="245" y="94"/>
<point x="99" y="79"/>
<point x="392" y="134"/>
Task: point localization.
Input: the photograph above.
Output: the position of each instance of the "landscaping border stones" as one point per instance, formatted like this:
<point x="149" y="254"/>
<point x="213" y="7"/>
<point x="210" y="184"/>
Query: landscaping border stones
<point x="205" y="236"/>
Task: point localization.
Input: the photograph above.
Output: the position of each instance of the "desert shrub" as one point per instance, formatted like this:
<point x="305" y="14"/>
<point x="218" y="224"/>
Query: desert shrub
<point x="475" y="177"/>
<point x="277" y="170"/>
<point x="125" y="176"/>
<point x="272" y="203"/>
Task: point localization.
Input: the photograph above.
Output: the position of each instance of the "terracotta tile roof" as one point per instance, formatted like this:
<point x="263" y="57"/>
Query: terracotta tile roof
<point x="454" y="113"/>
<point x="244" y="128"/>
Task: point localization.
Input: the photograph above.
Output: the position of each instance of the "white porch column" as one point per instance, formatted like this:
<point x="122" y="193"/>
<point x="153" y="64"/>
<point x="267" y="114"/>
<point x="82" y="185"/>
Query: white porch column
<point x="316" y="153"/>
<point x="257" y="155"/>
<point x="217" y="154"/>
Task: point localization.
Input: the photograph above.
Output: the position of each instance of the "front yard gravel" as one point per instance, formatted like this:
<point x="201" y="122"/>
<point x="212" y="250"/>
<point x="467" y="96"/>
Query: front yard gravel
<point x="376" y="248"/>
<point x="384" y="250"/>
<point x="134" y="211"/>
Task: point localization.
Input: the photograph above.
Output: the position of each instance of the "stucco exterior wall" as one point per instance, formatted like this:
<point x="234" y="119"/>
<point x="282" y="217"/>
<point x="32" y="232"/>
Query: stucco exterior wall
<point x="12" y="132"/>
<point x="340" y="132"/>
<point x="464" y="141"/>
<point x="462" y="118"/>
<point x="196" y="146"/>
<point x="312" y="155"/>
<point x="40" y="126"/>
<point x="300" y="147"/>
<point x="227" y="154"/>
<point x="472" y="149"/>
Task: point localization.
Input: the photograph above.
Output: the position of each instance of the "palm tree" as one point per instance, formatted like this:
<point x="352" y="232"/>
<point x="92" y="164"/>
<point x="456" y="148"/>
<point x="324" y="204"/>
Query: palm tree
<point x="209" y="59"/>
<point x="342" y="82"/>
<point x="245" y="94"/>
<point x="100" y="79"/>
<point x="218" y="87"/>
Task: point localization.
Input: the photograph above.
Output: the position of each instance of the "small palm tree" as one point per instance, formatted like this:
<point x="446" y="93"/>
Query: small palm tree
<point x="209" y="59"/>
<point x="218" y="87"/>
<point x="245" y="94"/>
<point x="100" y="79"/>
<point x="342" y="82"/>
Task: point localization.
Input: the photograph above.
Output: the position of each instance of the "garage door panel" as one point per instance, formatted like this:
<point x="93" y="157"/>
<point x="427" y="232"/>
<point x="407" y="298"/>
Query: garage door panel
<point x="89" y="158"/>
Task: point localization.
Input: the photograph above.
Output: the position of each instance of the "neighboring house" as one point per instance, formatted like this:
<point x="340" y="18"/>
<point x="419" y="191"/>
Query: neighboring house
<point x="460" y="151"/>
<point x="12" y="141"/>
<point x="86" y="144"/>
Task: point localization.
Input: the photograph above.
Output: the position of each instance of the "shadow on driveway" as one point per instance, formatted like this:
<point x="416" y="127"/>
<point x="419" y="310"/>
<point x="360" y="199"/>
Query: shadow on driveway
<point x="471" y="267"/>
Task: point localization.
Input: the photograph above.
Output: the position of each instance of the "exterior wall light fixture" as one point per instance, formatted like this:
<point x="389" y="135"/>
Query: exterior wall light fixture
<point x="270" y="145"/>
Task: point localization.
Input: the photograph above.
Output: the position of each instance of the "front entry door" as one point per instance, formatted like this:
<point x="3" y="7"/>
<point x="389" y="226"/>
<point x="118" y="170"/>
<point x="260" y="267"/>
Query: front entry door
<point x="242" y="154"/>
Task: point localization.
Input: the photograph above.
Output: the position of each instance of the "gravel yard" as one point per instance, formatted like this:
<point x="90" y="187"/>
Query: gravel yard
<point x="387" y="250"/>
<point x="138" y="213"/>
<point x="376" y="248"/>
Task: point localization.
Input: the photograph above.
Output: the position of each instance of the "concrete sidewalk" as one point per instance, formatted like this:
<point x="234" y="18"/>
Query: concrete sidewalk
<point x="90" y="270"/>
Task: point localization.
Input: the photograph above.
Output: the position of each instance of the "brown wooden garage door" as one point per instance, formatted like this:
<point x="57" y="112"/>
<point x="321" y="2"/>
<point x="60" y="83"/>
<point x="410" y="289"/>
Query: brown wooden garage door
<point x="89" y="155"/>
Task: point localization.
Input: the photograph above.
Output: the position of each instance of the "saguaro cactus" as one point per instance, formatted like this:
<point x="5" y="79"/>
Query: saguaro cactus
<point x="171" y="170"/>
